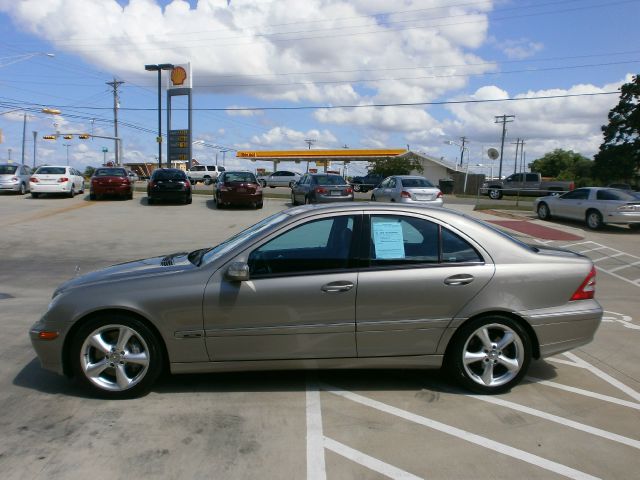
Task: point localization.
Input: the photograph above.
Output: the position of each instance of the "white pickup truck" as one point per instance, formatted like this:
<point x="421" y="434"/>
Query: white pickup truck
<point x="204" y="173"/>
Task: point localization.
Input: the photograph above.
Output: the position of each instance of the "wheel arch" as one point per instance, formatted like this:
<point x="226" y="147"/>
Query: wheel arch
<point x="68" y="340"/>
<point x="535" y="345"/>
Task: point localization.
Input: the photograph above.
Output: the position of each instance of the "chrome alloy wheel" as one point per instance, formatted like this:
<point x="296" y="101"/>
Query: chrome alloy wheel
<point x="114" y="358"/>
<point x="493" y="355"/>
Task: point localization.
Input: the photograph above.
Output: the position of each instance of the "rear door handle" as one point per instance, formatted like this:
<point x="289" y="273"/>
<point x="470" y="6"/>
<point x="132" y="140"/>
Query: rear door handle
<point x="460" y="279"/>
<point x="340" y="286"/>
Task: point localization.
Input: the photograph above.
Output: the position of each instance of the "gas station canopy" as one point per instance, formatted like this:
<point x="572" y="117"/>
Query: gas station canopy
<point x="341" y="155"/>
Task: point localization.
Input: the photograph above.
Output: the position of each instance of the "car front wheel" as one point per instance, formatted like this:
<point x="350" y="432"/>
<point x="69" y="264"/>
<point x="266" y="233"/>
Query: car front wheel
<point x="594" y="219"/>
<point x="116" y="356"/>
<point x="495" y="194"/>
<point x="543" y="212"/>
<point x="490" y="354"/>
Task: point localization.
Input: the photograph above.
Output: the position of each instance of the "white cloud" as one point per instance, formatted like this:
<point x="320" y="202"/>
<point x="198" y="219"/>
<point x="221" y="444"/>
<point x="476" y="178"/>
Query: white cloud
<point x="288" y="138"/>
<point x="520" y="49"/>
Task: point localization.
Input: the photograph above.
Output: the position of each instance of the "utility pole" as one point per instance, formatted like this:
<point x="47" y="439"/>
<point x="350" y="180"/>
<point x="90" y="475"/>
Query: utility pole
<point x="309" y="141"/>
<point x="504" y="119"/>
<point x="116" y="104"/>
<point x="24" y="134"/>
<point x="464" y="140"/>
<point x="515" y="163"/>
<point x="35" y="142"/>
<point x="67" y="145"/>
<point x="522" y="166"/>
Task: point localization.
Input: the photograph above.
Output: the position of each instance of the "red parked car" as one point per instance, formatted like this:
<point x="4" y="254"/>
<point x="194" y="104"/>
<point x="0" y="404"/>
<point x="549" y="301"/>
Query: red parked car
<point x="113" y="181"/>
<point x="237" y="188"/>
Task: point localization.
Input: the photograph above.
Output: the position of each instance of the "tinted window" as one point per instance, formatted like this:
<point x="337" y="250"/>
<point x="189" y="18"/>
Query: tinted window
<point x="457" y="250"/>
<point x="198" y="168"/>
<point x="579" y="194"/>
<point x="532" y="177"/>
<point x="330" y="180"/>
<point x="110" y="172"/>
<point x="239" y="177"/>
<point x="51" y="170"/>
<point x="8" y="169"/>
<point x="169" y="175"/>
<point x="221" y="169"/>
<point x="416" y="183"/>
<point x="314" y="246"/>
<point x="403" y="240"/>
<point x="392" y="183"/>
<point x="615" y="195"/>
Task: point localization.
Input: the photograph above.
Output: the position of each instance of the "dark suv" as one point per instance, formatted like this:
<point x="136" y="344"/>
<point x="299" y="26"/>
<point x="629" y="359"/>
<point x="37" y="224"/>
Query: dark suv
<point x="168" y="184"/>
<point x="366" y="183"/>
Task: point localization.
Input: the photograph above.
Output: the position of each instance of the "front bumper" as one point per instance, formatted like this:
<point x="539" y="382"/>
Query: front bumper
<point x="49" y="352"/>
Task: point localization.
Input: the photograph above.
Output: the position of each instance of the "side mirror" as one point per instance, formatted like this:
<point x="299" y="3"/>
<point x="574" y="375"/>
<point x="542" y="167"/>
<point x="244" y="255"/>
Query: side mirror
<point x="238" y="272"/>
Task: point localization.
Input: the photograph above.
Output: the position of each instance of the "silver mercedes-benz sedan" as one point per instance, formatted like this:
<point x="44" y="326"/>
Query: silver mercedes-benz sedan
<point x="597" y="206"/>
<point x="326" y="286"/>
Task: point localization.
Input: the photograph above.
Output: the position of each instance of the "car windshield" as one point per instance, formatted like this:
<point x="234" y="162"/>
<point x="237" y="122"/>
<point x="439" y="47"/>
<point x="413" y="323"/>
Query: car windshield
<point x="51" y="170"/>
<point x="330" y="180"/>
<point x="238" y="238"/>
<point x="110" y="172"/>
<point x="416" y="183"/>
<point x="239" y="177"/>
<point x="8" y="169"/>
<point x="169" y="175"/>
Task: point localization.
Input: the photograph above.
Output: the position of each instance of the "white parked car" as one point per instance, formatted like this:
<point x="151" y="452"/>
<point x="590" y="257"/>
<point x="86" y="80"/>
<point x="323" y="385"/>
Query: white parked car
<point x="281" y="178"/>
<point x="407" y="189"/>
<point x="56" y="179"/>
<point x="206" y="174"/>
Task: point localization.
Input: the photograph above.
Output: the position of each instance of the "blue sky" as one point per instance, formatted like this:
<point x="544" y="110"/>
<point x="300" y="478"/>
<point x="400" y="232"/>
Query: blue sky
<point x="289" y="53"/>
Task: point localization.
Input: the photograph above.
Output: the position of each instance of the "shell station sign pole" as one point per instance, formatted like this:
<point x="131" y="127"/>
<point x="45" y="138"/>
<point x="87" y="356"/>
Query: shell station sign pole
<point x="180" y="137"/>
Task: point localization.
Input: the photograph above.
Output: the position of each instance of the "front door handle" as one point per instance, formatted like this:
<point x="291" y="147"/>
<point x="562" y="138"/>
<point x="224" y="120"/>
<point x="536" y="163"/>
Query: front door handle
<point x="461" y="279"/>
<point x="340" y="286"/>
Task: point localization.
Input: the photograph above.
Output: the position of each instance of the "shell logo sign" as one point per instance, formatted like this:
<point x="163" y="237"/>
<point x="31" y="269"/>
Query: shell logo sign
<point x="180" y="76"/>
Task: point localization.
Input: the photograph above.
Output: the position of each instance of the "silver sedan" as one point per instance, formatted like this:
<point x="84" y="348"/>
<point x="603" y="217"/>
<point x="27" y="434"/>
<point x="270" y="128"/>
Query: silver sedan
<point x="355" y="285"/>
<point x="407" y="189"/>
<point x="597" y="206"/>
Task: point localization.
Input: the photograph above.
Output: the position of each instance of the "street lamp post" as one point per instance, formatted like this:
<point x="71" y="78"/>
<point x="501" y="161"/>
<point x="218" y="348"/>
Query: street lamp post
<point x="67" y="145"/>
<point x="158" y="68"/>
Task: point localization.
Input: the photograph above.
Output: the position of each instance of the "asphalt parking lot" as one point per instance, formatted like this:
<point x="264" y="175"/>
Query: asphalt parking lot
<point x="577" y="415"/>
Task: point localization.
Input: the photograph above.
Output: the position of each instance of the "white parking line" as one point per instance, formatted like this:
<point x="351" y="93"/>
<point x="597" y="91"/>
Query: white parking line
<point x="368" y="461"/>
<point x="593" y="249"/>
<point x="606" y="377"/>
<point x="586" y="393"/>
<point x="610" y="256"/>
<point x="624" y="266"/>
<point x="614" y="437"/>
<point x="463" y="435"/>
<point x="316" y="469"/>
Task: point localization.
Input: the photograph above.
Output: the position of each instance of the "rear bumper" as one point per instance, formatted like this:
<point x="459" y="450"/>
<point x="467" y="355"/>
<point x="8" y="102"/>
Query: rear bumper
<point x="111" y="189"/>
<point x="622" y="218"/>
<point x="11" y="187"/>
<point x="50" y="187"/>
<point x="240" y="198"/>
<point x="331" y="198"/>
<point x="565" y="328"/>
<point x="434" y="203"/>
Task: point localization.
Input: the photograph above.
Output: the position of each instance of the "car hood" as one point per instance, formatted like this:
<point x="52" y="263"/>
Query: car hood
<point x="164" y="265"/>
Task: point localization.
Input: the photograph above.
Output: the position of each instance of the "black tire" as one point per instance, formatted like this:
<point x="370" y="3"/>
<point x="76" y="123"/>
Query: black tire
<point x="130" y="196"/>
<point x="150" y="201"/>
<point x="495" y="193"/>
<point x="189" y="200"/>
<point x="594" y="219"/>
<point x="23" y="189"/>
<point x="92" y="196"/>
<point x="263" y="183"/>
<point x="356" y="187"/>
<point x="143" y="350"/>
<point x="294" y="202"/>
<point x="34" y="195"/>
<point x="307" y="200"/>
<point x="219" y="203"/>
<point x="488" y="373"/>
<point x="373" y="198"/>
<point x="72" y="192"/>
<point x="543" y="211"/>
<point x="259" y="205"/>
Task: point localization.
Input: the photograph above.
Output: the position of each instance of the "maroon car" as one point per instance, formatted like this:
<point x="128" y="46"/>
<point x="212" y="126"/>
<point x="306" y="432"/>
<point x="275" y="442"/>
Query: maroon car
<point x="112" y="181"/>
<point x="237" y="188"/>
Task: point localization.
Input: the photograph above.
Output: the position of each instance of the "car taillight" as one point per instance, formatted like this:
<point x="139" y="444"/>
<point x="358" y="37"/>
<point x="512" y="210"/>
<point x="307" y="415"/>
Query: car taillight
<point x="572" y="186"/>
<point x="587" y="289"/>
<point x="321" y="190"/>
<point x="33" y="179"/>
<point x="439" y="194"/>
<point x="187" y="183"/>
<point x="404" y="194"/>
<point x="349" y="190"/>
<point x="63" y="179"/>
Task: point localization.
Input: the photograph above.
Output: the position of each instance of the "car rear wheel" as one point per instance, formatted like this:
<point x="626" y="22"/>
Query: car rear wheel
<point x="92" y="196"/>
<point x="543" y="212"/>
<point x="356" y="187"/>
<point x="307" y="201"/>
<point x="116" y="356"/>
<point x="23" y="189"/>
<point x="219" y="202"/>
<point x="150" y="201"/>
<point x="189" y="200"/>
<point x="72" y="192"/>
<point x="490" y="354"/>
<point x="259" y="205"/>
<point x="373" y="198"/>
<point x="594" y="219"/>
<point x="34" y="195"/>
<point x="495" y="194"/>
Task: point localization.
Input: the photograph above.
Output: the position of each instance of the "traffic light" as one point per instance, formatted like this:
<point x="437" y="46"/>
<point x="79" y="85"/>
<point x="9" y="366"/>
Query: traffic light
<point x="84" y="136"/>
<point x="49" y="137"/>
<point x="67" y="137"/>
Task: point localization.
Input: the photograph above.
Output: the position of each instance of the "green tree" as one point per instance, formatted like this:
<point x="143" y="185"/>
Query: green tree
<point x="564" y="165"/>
<point x="88" y="171"/>
<point x="619" y="155"/>
<point x="400" y="165"/>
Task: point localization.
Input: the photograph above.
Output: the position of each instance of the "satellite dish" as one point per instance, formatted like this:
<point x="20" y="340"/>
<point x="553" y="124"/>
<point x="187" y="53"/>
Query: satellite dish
<point x="493" y="154"/>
